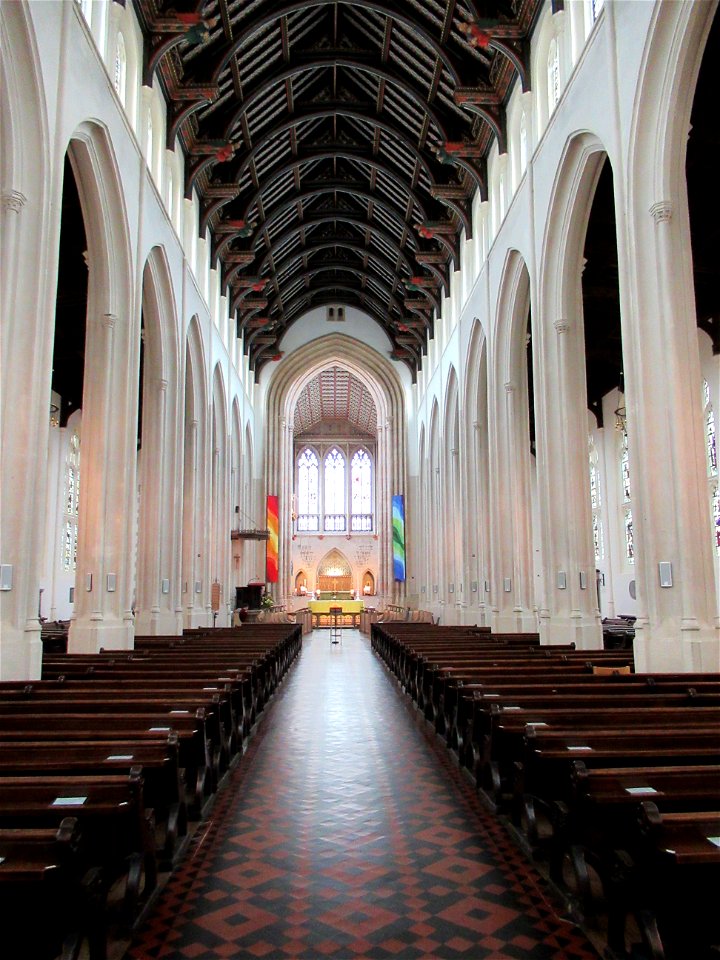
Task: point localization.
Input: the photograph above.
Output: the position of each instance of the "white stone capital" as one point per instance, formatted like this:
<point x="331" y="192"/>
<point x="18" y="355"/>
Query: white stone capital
<point x="661" y="211"/>
<point x="13" y="200"/>
<point x="562" y="325"/>
<point x="109" y="320"/>
<point x="509" y="387"/>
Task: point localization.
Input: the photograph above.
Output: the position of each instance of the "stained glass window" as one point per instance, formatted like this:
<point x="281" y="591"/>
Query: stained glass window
<point x="629" y="546"/>
<point x="334" y="492"/>
<point x="553" y="75"/>
<point x="712" y="469"/>
<point x="361" y="491"/>
<point x="308" y="491"/>
<point x="119" y="78"/>
<point x="72" y="503"/>
<point x="595" y="501"/>
<point x="711" y="443"/>
<point x="625" y="465"/>
<point x="523" y="142"/>
<point x="710" y="437"/>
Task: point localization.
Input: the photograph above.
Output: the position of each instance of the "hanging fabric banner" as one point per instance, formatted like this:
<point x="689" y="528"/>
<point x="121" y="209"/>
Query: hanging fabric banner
<point x="271" y="551"/>
<point x="398" y="530"/>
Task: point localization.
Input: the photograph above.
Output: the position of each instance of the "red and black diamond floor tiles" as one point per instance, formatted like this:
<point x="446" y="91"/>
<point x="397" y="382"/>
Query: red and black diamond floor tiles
<point x="347" y="832"/>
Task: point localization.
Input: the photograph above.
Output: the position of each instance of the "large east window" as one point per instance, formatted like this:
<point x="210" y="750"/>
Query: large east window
<point x="336" y="497"/>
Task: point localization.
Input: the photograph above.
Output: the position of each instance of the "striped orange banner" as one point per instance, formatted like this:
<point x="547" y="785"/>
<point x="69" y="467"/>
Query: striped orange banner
<point x="271" y="551"/>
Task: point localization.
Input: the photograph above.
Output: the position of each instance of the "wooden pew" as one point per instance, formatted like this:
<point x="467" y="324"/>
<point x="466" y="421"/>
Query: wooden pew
<point x="163" y="784"/>
<point x="47" y="902"/>
<point x="118" y="834"/>
<point x="193" y="741"/>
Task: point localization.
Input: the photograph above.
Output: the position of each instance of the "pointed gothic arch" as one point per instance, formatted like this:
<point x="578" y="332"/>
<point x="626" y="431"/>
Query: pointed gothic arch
<point x="25" y="362"/>
<point x="196" y="566"/>
<point x="476" y="441"/>
<point x="159" y="516"/>
<point x="112" y="353"/>
<point x="385" y="387"/>
<point x="512" y="586"/>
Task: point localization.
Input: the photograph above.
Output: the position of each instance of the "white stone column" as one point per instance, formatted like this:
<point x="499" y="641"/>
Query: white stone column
<point x="564" y="496"/>
<point x="228" y="517"/>
<point x="454" y="538"/>
<point x="512" y="580"/>
<point x="678" y="625"/>
<point x="190" y="598"/>
<point x="25" y="361"/>
<point x="285" y="469"/>
<point x="480" y="506"/>
<point x="152" y="604"/>
<point x="107" y="493"/>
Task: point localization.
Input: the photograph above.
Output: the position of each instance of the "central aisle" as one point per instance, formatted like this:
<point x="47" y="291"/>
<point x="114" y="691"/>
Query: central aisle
<point x="347" y="832"/>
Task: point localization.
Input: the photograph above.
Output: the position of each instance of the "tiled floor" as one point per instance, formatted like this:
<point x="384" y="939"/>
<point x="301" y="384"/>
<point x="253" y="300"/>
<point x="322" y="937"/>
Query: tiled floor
<point x="347" y="832"/>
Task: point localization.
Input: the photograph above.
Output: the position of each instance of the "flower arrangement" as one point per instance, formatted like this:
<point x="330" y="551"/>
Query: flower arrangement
<point x="267" y="601"/>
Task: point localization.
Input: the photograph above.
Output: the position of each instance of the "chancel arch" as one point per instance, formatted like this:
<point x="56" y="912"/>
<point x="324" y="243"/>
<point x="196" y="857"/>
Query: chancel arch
<point x="368" y="378"/>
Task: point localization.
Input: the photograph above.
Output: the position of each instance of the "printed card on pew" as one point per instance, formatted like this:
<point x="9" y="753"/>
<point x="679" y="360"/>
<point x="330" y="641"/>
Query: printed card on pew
<point x="715" y="840"/>
<point x="68" y="801"/>
<point x="640" y="791"/>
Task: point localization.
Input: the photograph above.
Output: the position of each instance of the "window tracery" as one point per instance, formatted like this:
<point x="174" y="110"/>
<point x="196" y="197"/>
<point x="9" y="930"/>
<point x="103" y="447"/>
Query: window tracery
<point x="71" y="504"/>
<point x="595" y="502"/>
<point x="626" y="495"/>
<point x="342" y="493"/>
<point x="120" y="72"/>
<point x="334" y="491"/>
<point x="712" y="467"/>
<point x="553" y="75"/>
<point x="361" y="492"/>
<point x="308" y="491"/>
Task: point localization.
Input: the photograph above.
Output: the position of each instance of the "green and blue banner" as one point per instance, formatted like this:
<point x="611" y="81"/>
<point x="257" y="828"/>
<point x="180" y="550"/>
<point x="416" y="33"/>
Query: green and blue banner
<point x="398" y="528"/>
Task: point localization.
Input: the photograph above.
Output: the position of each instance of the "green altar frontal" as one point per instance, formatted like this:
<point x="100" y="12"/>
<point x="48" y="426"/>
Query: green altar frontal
<point x="350" y="617"/>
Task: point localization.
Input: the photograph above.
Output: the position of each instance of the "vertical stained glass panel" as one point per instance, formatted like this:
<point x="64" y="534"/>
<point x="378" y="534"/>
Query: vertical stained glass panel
<point x="711" y="441"/>
<point x="334" y="482"/>
<point x="625" y="466"/>
<point x="629" y="545"/>
<point x="398" y="531"/>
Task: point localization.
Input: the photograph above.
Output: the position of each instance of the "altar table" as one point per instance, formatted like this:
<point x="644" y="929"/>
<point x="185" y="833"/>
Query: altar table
<point x="321" y="616"/>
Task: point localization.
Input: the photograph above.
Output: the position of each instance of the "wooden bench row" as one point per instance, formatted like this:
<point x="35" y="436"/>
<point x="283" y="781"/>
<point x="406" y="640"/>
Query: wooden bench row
<point x="131" y="747"/>
<point x="612" y="776"/>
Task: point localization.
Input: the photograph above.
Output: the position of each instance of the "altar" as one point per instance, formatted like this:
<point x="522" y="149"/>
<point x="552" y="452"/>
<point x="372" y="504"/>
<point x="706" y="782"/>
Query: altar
<point x="350" y="616"/>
